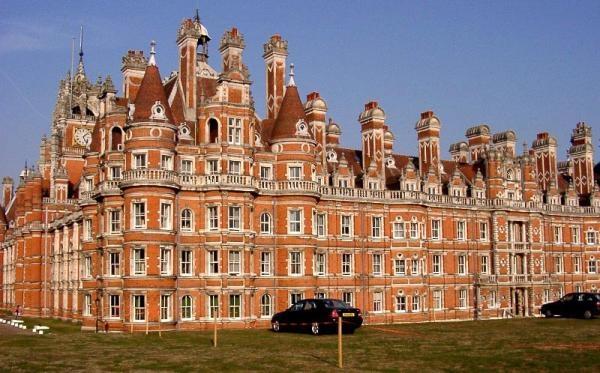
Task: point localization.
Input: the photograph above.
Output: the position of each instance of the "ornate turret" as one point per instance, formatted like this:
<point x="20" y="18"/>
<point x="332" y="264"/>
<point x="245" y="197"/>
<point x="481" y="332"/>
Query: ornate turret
<point x="428" y="134"/>
<point x="275" y="53"/>
<point x="581" y="154"/>
<point x="291" y="120"/>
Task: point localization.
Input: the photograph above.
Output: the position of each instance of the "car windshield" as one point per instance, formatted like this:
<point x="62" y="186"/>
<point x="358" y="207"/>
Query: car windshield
<point x="567" y="298"/>
<point x="332" y="303"/>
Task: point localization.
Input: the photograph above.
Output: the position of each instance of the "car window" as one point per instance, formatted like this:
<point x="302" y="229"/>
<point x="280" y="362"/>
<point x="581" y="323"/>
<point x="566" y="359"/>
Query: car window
<point x="309" y="306"/>
<point x="297" y="306"/>
<point x="332" y="303"/>
<point x="580" y="297"/>
<point x="567" y="298"/>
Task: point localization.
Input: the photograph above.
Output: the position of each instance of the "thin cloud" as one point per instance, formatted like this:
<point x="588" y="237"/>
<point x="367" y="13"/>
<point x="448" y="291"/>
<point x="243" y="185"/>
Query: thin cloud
<point x="18" y="36"/>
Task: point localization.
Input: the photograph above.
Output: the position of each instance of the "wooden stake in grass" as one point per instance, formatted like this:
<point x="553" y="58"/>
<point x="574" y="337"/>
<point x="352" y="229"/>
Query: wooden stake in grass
<point x="215" y="332"/>
<point x="159" y="329"/>
<point x="340" y="363"/>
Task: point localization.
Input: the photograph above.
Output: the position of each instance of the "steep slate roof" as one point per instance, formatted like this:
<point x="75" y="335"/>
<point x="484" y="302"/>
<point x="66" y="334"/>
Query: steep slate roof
<point x="290" y="113"/>
<point x="151" y="90"/>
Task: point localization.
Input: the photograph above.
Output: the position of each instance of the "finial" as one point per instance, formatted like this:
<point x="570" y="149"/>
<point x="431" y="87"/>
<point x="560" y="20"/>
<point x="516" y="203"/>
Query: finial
<point x="152" y="60"/>
<point x="525" y="149"/>
<point x="197" y="16"/>
<point x="81" y="44"/>
<point x="291" y="82"/>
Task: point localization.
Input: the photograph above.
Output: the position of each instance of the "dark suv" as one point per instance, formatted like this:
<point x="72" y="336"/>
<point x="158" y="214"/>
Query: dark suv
<point x="586" y="305"/>
<point x="317" y="316"/>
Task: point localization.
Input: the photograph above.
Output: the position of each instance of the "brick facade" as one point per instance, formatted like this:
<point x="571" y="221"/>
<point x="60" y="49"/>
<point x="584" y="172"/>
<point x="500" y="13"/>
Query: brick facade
<point x="158" y="207"/>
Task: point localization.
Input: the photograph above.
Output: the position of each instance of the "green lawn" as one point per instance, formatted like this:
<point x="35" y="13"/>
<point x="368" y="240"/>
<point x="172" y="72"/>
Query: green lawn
<point x="520" y="344"/>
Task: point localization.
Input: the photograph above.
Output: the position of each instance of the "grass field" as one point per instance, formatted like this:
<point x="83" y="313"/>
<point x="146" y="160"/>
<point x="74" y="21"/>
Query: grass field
<point x="498" y="345"/>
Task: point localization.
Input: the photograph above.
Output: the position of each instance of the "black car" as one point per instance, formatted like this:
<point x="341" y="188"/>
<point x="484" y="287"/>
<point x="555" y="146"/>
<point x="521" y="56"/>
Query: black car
<point x="586" y="305"/>
<point x="317" y="316"/>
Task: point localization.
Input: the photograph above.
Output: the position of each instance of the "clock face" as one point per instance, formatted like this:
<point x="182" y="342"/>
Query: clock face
<point x="83" y="137"/>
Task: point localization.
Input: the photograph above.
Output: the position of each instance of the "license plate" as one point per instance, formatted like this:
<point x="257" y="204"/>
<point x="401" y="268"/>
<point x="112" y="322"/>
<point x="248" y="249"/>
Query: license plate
<point x="347" y="314"/>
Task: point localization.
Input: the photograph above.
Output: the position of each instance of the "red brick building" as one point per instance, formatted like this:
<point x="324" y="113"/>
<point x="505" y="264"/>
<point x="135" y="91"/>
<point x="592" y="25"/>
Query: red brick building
<point x="176" y="203"/>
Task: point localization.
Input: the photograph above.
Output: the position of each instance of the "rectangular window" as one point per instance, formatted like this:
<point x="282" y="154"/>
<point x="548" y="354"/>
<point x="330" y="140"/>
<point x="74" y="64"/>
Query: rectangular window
<point x="493" y="301"/>
<point x="577" y="264"/>
<point x="139" y="215"/>
<point x="186" y="308"/>
<point x="115" y="305"/>
<point x="213" y="218"/>
<point x="165" y="307"/>
<point x="415" y="267"/>
<point x="462" y="298"/>
<point x="590" y="237"/>
<point x="166" y="216"/>
<point x="346" y="230"/>
<point x="87" y="305"/>
<point x="295" y="297"/>
<point x="436" y="229"/>
<point x="185" y="262"/>
<point x="87" y="229"/>
<point x="265" y="263"/>
<point x="212" y="166"/>
<point x="378" y="301"/>
<point x="414" y="231"/>
<point x="320" y="264"/>
<point x="234" y="131"/>
<point x="438" y="300"/>
<point x="213" y="262"/>
<point x="187" y="167"/>
<point x="235" y="263"/>
<point x="166" y="162"/>
<point x="115" y="221"/>
<point x="87" y="269"/>
<point x="114" y="263"/>
<point x="266" y="172"/>
<point x="377" y="259"/>
<point x="575" y="235"/>
<point x="558" y="264"/>
<point x="213" y="306"/>
<point x="139" y="161"/>
<point x="400" y="267"/>
<point x="321" y="225"/>
<point x="398" y="230"/>
<point x="115" y="173"/>
<point x="139" y="307"/>
<point x="139" y="261"/>
<point x="592" y="266"/>
<point x="235" y="306"/>
<point x="557" y="231"/>
<point x="416" y="303"/>
<point x="462" y="264"/>
<point x="295" y="221"/>
<point x="294" y="173"/>
<point x="346" y="264"/>
<point x="436" y="267"/>
<point x="546" y="296"/>
<point x="235" y="167"/>
<point x="483" y="231"/>
<point x="485" y="266"/>
<point x="295" y="263"/>
<point x="235" y="218"/>
<point x="400" y="303"/>
<point x="376" y="226"/>
<point x="166" y="255"/>
<point x="461" y="230"/>
<point x="347" y="298"/>
<point x="343" y="183"/>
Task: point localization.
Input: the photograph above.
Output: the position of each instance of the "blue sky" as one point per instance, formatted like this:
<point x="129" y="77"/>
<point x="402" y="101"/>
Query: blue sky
<point x="530" y="66"/>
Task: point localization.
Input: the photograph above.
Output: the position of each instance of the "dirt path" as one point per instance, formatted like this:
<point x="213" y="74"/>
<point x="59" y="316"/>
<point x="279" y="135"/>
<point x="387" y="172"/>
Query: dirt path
<point x="11" y="330"/>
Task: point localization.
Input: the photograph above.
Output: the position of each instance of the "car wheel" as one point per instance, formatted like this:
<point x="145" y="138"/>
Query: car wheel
<point x="314" y="328"/>
<point x="548" y="313"/>
<point x="275" y="326"/>
<point x="587" y="314"/>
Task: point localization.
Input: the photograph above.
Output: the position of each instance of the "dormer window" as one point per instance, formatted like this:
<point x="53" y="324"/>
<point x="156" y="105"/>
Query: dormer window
<point x="158" y="111"/>
<point x="331" y="156"/>
<point x="301" y="128"/>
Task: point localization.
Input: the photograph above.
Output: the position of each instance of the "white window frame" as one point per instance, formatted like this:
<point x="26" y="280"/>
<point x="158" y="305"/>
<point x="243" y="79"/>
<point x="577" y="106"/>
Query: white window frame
<point x="139" y="161"/>
<point x="436" y="229"/>
<point x="114" y="306"/>
<point x="166" y="215"/>
<point x="139" y="215"/>
<point x="378" y="302"/>
<point x="234" y="131"/>
<point x="400" y="267"/>
<point x="346" y="226"/>
<point x="347" y="266"/>
<point x="166" y="307"/>
<point x="321" y="224"/>
<point x="414" y="230"/>
<point x="462" y="267"/>
<point x="398" y="230"/>
<point x="268" y="172"/>
<point x="138" y="305"/>
<point x="484" y="261"/>
<point x="234" y="264"/>
<point x="166" y="261"/>
<point x="320" y="264"/>
<point x="295" y="222"/>
<point x="114" y="222"/>
<point x="377" y="264"/>
<point x="348" y="298"/>
<point x="266" y="307"/>
<point x="438" y="299"/>
<point x="87" y="305"/>
<point x="234" y="167"/>
<point x="186" y="262"/>
<point x="235" y="306"/>
<point x="212" y="217"/>
<point x="212" y="262"/>
<point x="296" y="267"/>
<point x="166" y="161"/>
<point x="265" y="223"/>
<point x="266" y="263"/>
<point x="187" y="310"/>
<point x="377" y="226"/>
<point x="138" y="261"/>
<point x="463" y="298"/>
<point x="437" y="266"/>
<point x="295" y="172"/>
<point x="114" y="268"/>
<point x="186" y="166"/>
<point x="234" y="218"/>
<point x="186" y="220"/>
<point x="401" y="306"/>
<point x="461" y="230"/>
<point x="483" y="231"/>
<point x="213" y="306"/>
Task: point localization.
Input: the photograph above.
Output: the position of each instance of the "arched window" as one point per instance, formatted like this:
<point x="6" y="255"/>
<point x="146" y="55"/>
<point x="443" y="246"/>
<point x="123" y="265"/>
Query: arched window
<point x="213" y="130"/>
<point x="265" y="223"/>
<point x="266" y="308"/>
<point x="116" y="139"/>
<point x="186" y="220"/>
<point x="186" y="307"/>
